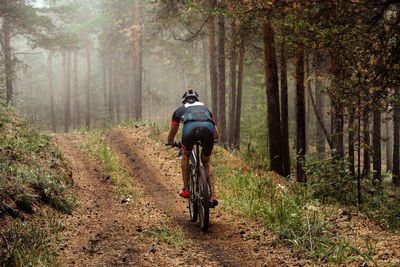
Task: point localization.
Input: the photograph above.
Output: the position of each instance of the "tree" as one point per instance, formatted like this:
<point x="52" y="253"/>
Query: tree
<point x="274" y="122"/>
<point x="232" y="85"/>
<point x="221" y="117"/>
<point x="137" y="55"/>
<point x="213" y="57"/>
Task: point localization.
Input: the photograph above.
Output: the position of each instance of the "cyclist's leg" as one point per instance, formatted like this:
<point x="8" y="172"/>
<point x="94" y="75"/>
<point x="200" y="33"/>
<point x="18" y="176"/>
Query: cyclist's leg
<point x="185" y="168"/>
<point x="209" y="172"/>
<point x="187" y="145"/>
<point x="207" y="136"/>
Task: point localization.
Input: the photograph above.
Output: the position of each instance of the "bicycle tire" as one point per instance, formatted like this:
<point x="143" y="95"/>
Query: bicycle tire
<point x="204" y="201"/>
<point x="193" y="204"/>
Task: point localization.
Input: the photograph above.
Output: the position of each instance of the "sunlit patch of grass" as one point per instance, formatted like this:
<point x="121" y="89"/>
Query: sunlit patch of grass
<point x="169" y="236"/>
<point x="113" y="167"/>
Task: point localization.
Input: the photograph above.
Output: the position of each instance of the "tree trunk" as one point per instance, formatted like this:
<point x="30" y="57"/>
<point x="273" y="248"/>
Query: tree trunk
<point x="351" y="143"/>
<point x="232" y="86"/>
<point x="67" y="111"/>
<point x="320" y="102"/>
<point x="308" y="95"/>
<point x="89" y="74"/>
<point x="396" y="140"/>
<point x="367" y="162"/>
<point x="376" y="143"/>
<point x="242" y="52"/>
<point x="205" y="80"/>
<point x="221" y="80"/>
<point x="284" y="107"/>
<point x="213" y="57"/>
<point x="300" y="114"/>
<point x="104" y="75"/>
<point x="110" y="90"/>
<point x="117" y="87"/>
<point x="128" y="97"/>
<point x="64" y="84"/>
<point x="272" y="87"/>
<point x="77" y="107"/>
<point x="51" y="89"/>
<point x="389" y="145"/>
<point x="137" y="54"/>
<point x="8" y="64"/>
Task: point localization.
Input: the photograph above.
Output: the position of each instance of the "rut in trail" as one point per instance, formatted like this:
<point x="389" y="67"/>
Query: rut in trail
<point x="228" y="240"/>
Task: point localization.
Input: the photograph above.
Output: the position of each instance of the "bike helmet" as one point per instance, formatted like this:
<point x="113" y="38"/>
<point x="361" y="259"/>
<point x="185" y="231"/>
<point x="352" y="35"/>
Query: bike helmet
<point x="190" y="96"/>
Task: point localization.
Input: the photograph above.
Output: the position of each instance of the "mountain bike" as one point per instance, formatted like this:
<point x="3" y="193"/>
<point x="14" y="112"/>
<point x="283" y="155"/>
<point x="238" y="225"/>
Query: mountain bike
<point x="199" y="198"/>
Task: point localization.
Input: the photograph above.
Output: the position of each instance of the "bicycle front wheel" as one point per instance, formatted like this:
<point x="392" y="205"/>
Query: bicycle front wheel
<point x="204" y="201"/>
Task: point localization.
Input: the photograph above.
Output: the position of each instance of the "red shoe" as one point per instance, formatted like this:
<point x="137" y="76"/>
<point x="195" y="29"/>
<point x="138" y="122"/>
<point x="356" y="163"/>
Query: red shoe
<point x="184" y="193"/>
<point x="214" y="201"/>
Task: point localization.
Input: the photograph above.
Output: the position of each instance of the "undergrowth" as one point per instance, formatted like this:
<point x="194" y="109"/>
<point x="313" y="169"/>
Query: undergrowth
<point x="32" y="175"/>
<point x="113" y="168"/>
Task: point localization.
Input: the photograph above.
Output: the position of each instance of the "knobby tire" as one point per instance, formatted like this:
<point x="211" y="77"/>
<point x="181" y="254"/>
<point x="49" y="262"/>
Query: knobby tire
<point x="204" y="202"/>
<point x="193" y="204"/>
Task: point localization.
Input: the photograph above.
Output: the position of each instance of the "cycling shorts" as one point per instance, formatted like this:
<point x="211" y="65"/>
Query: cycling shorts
<point x="198" y="131"/>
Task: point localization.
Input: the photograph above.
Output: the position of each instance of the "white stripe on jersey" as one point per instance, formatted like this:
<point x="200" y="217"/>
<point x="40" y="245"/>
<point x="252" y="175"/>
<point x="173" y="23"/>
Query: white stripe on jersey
<point x="194" y="104"/>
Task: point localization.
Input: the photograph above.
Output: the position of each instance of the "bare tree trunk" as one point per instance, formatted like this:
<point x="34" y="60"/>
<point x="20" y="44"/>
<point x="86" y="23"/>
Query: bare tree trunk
<point x="242" y="52"/>
<point x="110" y="90"/>
<point x="389" y="145"/>
<point x="351" y="143"/>
<point x="300" y="114"/>
<point x="274" y="122"/>
<point x="213" y="58"/>
<point x="232" y="86"/>
<point x="8" y="65"/>
<point x="117" y="86"/>
<point x="104" y="75"/>
<point x="284" y="106"/>
<point x="127" y="87"/>
<point x="89" y="74"/>
<point x="376" y="143"/>
<point x="67" y="111"/>
<point x="396" y="141"/>
<point x="77" y="107"/>
<point x="320" y="102"/>
<point x="137" y="54"/>
<point x="221" y="80"/>
<point x="308" y="94"/>
<point x="51" y="89"/>
<point x="205" y="80"/>
<point x="64" y="84"/>
<point x="367" y="161"/>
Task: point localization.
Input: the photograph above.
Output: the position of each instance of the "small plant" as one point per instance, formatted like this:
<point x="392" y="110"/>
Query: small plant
<point x="164" y="234"/>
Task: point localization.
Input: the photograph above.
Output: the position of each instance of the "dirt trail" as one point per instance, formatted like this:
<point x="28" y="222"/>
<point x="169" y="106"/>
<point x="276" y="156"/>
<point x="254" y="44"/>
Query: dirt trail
<point x="104" y="232"/>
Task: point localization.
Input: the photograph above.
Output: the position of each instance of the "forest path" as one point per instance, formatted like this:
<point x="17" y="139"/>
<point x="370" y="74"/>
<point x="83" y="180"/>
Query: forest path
<point x="104" y="232"/>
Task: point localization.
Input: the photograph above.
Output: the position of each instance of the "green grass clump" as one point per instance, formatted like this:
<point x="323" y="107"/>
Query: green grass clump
<point x="28" y="244"/>
<point x="166" y="235"/>
<point x="113" y="168"/>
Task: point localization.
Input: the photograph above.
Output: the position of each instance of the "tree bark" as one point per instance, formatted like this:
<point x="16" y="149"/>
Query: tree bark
<point x="127" y="79"/>
<point x="205" y="78"/>
<point x="376" y="143"/>
<point x="213" y="58"/>
<point x="8" y="64"/>
<point x="300" y="114"/>
<point x="117" y="87"/>
<point x="389" y="145"/>
<point x="367" y="161"/>
<point x="77" y="107"/>
<point x="351" y="143"/>
<point x="51" y="89"/>
<point x="110" y="90"/>
<point x="284" y="107"/>
<point x="396" y="141"/>
<point x="137" y="54"/>
<point x="232" y="86"/>
<point x="88" y="81"/>
<point x="274" y="123"/>
<point x="320" y="102"/>
<point x="242" y="52"/>
<point x="67" y="107"/>
<point x="221" y="80"/>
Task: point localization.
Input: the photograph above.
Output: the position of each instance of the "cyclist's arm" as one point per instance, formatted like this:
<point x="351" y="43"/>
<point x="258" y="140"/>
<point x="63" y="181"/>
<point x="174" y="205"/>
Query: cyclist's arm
<point x="172" y="132"/>
<point x="216" y="132"/>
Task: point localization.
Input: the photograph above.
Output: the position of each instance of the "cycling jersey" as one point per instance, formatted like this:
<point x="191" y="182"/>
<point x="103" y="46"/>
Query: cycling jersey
<point x="192" y="112"/>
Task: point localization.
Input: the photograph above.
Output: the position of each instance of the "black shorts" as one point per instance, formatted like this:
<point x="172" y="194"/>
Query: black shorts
<point x="198" y="131"/>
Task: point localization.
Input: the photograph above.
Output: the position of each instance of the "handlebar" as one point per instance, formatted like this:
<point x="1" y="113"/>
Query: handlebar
<point x="175" y="144"/>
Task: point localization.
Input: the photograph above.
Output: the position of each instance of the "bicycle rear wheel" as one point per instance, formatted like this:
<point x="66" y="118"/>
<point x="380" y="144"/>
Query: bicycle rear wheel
<point x="204" y="201"/>
<point x="193" y="204"/>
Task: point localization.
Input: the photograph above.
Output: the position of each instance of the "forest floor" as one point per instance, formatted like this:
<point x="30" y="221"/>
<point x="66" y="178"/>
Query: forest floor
<point x="154" y="228"/>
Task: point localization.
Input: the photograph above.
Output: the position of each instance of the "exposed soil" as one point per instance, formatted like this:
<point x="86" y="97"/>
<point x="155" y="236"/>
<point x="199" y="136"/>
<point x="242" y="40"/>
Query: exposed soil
<point x="105" y="232"/>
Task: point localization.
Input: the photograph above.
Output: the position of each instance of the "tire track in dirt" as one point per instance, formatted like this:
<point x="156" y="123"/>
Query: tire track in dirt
<point x="225" y="241"/>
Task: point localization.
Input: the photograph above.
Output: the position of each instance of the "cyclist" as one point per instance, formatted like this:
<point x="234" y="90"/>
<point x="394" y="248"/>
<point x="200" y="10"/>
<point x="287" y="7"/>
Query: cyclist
<point x="198" y="125"/>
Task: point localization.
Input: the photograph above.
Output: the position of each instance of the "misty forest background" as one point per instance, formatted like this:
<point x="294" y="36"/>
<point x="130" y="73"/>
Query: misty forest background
<point x="299" y="87"/>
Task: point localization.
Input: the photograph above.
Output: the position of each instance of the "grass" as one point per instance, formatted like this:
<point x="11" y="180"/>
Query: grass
<point x="32" y="178"/>
<point x="166" y="235"/>
<point x="113" y="168"/>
